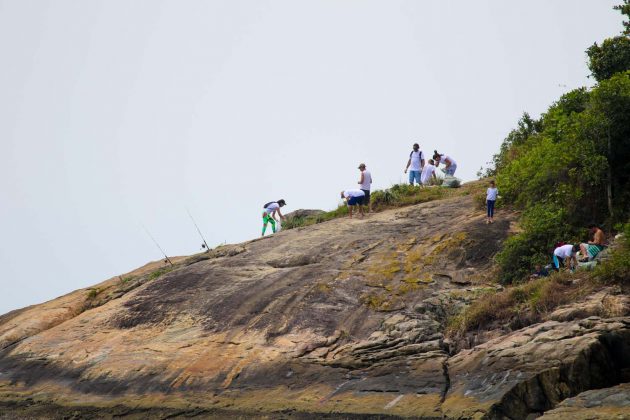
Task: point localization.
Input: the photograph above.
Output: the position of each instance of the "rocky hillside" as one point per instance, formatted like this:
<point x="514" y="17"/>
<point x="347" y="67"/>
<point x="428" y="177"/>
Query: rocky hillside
<point x="347" y="316"/>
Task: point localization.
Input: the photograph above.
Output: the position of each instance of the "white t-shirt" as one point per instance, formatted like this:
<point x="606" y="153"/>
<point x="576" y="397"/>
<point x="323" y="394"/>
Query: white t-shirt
<point x="272" y="207"/>
<point x="564" y="251"/>
<point x="492" y="195"/>
<point x="367" y="180"/>
<point x="416" y="158"/>
<point x="353" y="193"/>
<point x="444" y="157"/>
<point x="426" y="173"/>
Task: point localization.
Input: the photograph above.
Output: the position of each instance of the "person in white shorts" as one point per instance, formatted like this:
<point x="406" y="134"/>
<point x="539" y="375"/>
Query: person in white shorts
<point x="353" y="198"/>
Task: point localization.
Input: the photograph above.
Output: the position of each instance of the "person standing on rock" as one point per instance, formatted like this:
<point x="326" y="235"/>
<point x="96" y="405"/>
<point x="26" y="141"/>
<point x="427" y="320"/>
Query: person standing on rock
<point x="564" y="255"/>
<point x="365" y="183"/>
<point x="415" y="164"/>
<point x="450" y="164"/>
<point x="428" y="172"/>
<point x="353" y="198"/>
<point x="269" y="214"/>
<point x="491" y="197"/>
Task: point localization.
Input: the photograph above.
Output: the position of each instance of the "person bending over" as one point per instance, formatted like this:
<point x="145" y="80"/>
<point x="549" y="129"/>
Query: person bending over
<point x="269" y="214"/>
<point x="449" y="163"/>
<point x="353" y="198"/>
<point x="564" y="255"/>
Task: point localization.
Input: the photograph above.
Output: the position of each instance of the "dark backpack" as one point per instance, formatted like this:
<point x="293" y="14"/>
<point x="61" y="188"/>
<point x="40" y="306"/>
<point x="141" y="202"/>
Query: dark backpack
<point x="419" y="151"/>
<point x="269" y="203"/>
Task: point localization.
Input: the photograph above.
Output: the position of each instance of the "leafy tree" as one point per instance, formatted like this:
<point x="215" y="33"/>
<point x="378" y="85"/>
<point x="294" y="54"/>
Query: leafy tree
<point x="625" y="10"/>
<point x="613" y="56"/>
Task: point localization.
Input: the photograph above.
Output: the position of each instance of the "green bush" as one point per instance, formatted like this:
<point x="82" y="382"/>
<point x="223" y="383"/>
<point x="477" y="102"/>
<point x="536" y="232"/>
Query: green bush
<point x="616" y="269"/>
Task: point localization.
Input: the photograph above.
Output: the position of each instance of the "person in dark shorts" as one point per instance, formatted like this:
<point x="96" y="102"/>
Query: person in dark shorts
<point x="353" y="198"/>
<point x="365" y="183"/>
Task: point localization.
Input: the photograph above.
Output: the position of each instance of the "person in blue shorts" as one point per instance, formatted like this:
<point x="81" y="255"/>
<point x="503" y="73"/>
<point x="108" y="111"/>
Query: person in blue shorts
<point x="353" y="198"/>
<point x="415" y="164"/>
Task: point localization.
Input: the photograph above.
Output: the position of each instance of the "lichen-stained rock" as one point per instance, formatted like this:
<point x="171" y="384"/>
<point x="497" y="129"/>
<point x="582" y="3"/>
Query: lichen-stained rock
<point x="318" y="319"/>
<point x="597" y="404"/>
<point x="531" y="370"/>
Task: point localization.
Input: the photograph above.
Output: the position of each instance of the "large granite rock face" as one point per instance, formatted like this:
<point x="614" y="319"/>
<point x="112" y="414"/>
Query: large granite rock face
<point x="347" y="316"/>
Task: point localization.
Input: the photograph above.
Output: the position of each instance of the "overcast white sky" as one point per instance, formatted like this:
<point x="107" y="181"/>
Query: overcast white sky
<point x="117" y="113"/>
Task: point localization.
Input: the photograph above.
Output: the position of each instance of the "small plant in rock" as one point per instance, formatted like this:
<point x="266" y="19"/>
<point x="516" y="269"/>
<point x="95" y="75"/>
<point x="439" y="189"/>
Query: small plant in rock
<point x="159" y="272"/>
<point x="93" y="293"/>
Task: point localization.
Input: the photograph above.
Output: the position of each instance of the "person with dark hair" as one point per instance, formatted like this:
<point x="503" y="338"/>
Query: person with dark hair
<point x="353" y="198"/>
<point x="365" y="183"/>
<point x="564" y="255"/>
<point x="590" y="249"/>
<point x="269" y="214"/>
<point x="416" y="162"/>
<point x="450" y="166"/>
<point x="428" y="172"/>
<point x="539" y="271"/>
<point x="491" y="197"/>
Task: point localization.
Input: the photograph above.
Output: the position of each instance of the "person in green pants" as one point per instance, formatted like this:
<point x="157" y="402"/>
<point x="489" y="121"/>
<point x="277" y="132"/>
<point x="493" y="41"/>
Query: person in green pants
<point x="269" y="215"/>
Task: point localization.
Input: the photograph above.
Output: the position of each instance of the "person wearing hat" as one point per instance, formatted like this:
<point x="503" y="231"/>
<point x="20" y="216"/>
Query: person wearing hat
<point x="365" y="184"/>
<point x="269" y="214"/>
<point x="416" y="162"/>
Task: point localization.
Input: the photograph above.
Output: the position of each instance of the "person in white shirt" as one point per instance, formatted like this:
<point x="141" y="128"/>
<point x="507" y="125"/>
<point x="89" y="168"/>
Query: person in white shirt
<point x="353" y="198"/>
<point x="415" y="164"/>
<point x="449" y="163"/>
<point x="365" y="183"/>
<point x="427" y="172"/>
<point x="269" y="214"/>
<point x="491" y="197"/>
<point x="564" y="255"/>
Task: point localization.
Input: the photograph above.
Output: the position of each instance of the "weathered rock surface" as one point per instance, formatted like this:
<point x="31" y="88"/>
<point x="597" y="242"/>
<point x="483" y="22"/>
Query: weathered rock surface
<point x="607" y="403"/>
<point x="346" y="316"/>
<point x="531" y="370"/>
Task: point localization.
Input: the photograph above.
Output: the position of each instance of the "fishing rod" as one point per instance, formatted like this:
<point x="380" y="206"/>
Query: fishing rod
<point x="158" y="245"/>
<point x="205" y="244"/>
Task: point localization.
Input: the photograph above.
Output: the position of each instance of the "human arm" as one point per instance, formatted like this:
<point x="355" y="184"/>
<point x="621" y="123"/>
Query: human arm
<point x="361" y="179"/>
<point x="408" y="164"/>
<point x="280" y="214"/>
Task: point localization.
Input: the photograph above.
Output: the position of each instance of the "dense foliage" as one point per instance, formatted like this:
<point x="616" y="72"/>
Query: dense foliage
<point x="571" y="167"/>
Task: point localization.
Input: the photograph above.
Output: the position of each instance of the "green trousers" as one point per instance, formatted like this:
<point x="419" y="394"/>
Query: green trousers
<point x="268" y="219"/>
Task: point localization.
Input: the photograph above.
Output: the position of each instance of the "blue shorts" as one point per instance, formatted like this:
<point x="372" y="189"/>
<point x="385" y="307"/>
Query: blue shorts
<point x="414" y="175"/>
<point x="451" y="170"/>
<point x="353" y="201"/>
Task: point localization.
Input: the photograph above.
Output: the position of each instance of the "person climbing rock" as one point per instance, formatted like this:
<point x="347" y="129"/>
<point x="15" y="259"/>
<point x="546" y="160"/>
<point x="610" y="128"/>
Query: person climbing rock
<point x="353" y="198"/>
<point x="269" y="214"/>
<point x="428" y="172"/>
<point x="450" y="166"/>
<point x="416" y="162"/>
<point x="365" y="183"/>
<point x="564" y="255"/>
<point x="491" y="198"/>
<point x="590" y="249"/>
